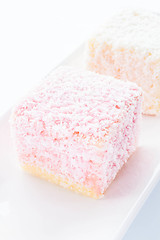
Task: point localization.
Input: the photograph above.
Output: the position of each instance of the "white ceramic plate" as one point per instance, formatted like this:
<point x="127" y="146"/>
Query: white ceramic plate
<point x="31" y="208"/>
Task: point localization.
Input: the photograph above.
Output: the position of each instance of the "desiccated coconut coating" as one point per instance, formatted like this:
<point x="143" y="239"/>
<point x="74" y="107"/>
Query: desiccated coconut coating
<point x="128" y="47"/>
<point x="77" y="129"/>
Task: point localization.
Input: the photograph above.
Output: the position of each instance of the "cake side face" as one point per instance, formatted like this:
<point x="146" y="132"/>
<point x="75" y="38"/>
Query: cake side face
<point x="127" y="47"/>
<point x="67" y="130"/>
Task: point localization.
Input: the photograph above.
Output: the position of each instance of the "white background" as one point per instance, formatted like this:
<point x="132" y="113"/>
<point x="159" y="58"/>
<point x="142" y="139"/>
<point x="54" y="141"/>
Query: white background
<point x="36" y="35"/>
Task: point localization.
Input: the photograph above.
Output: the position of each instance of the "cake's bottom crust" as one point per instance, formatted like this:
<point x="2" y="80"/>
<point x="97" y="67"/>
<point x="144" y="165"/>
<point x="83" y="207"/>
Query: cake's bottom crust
<point x="79" y="188"/>
<point x="150" y="105"/>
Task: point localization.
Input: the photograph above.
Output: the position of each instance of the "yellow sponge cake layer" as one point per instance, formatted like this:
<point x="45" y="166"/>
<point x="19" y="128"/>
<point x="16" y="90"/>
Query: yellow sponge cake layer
<point x="37" y="171"/>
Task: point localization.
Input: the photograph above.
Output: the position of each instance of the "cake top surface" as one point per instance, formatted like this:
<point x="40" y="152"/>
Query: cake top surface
<point x="137" y="29"/>
<point x="73" y="102"/>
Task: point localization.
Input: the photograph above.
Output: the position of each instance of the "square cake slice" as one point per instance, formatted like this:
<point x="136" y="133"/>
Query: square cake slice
<point x="128" y="47"/>
<point x="77" y="129"/>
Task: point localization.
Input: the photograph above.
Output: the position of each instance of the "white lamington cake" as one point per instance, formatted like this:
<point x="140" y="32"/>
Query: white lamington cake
<point x="128" y="47"/>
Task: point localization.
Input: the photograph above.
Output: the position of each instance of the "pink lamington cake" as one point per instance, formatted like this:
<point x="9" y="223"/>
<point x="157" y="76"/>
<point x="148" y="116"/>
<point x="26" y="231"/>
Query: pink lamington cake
<point x="77" y="129"/>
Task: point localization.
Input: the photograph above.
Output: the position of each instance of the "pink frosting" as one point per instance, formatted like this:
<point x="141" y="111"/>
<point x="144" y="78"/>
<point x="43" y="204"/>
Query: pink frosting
<point x="79" y="125"/>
